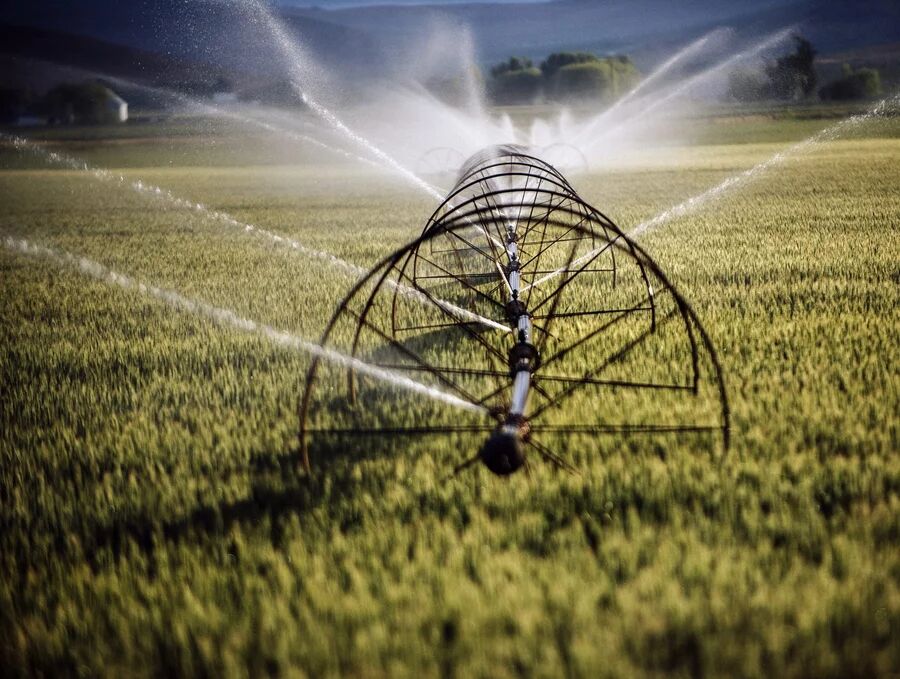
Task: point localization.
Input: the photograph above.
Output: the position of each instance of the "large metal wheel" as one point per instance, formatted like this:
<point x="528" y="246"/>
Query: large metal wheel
<point x="522" y="317"/>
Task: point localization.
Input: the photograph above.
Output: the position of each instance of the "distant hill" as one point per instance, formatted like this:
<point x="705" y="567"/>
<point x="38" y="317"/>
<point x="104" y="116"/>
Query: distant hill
<point x="92" y="55"/>
<point x="638" y="26"/>
<point x="173" y="35"/>
<point x="210" y="32"/>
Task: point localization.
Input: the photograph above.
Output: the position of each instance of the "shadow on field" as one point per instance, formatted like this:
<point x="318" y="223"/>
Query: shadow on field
<point x="425" y="343"/>
<point x="279" y="488"/>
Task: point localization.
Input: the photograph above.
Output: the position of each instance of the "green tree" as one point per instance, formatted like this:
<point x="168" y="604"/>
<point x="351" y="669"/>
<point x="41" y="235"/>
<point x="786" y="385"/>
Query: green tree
<point x="512" y="65"/>
<point x="521" y="86"/>
<point x="588" y="80"/>
<point x="625" y="74"/>
<point x="562" y="75"/>
<point x="863" y="83"/>
<point x="587" y="76"/>
<point x="793" y="76"/>
<point x="559" y="60"/>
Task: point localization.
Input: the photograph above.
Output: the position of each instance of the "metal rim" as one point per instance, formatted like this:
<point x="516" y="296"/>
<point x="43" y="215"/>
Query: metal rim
<point x="479" y="203"/>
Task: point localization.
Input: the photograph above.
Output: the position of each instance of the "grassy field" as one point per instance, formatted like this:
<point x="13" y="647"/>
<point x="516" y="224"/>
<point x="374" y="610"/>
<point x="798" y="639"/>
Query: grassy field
<point x="153" y="519"/>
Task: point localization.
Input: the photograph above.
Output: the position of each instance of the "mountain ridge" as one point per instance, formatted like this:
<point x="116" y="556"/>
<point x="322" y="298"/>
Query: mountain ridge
<point x="362" y="41"/>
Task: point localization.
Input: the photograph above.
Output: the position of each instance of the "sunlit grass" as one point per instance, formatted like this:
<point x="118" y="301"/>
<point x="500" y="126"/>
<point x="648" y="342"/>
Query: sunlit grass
<point x="154" y="519"/>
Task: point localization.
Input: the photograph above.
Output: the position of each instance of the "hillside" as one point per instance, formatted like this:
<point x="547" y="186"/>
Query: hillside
<point x="167" y="38"/>
<point x="640" y="27"/>
<point x="93" y="55"/>
<point x="215" y="33"/>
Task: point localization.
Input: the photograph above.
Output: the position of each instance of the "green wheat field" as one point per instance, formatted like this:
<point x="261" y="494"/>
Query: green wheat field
<point x="154" y="519"/>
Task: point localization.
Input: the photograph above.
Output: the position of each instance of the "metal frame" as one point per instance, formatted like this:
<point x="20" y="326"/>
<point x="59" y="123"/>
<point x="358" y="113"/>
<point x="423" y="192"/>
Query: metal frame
<point x="513" y="242"/>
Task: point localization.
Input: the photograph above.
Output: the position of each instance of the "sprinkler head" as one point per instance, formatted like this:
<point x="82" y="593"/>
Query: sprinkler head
<point x="503" y="453"/>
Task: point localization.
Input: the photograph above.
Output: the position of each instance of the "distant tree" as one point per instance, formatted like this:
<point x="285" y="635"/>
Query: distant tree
<point x="746" y="85"/>
<point x="512" y="65"/>
<point x="559" y="60"/>
<point x="515" y="81"/>
<point x="85" y="103"/>
<point x="863" y="83"/>
<point x="625" y="74"/>
<point x="562" y="75"/>
<point x="521" y="86"/>
<point x="588" y="80"/>
<point x="793" y="76"/>
<point x="588" y="76"/>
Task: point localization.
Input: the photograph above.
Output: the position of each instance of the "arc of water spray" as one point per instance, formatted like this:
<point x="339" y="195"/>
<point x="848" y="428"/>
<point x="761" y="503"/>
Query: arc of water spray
<point x="227" y="317"/>
<point x="248" y="120"/>
<point x="717" y="191"/>
<point x="687" y="86"/>
<point x="470" y="70"/>
<point x="143" y="188"/>
<point x="827" y="134"/>
<point x="682" y="55"/>
<point x="453" y="309"/>
<point x="294" y="58"/>
<point x="63" y="160"/>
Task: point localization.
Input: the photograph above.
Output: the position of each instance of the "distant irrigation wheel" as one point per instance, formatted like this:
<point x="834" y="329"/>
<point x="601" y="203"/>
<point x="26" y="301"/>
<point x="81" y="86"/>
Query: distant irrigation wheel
<point x="565" y="157"/>
<point x="533" y="321"/>
<point x="439" y="162"/>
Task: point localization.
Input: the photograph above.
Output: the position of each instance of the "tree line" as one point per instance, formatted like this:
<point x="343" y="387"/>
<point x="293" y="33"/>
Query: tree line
<point x="793" y="77"/>
<point x="562" y="76"/>
<point x="584" y="76"/>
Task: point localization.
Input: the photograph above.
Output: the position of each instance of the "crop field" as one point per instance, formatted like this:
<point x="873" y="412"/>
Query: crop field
<point x="155" y="519"/>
